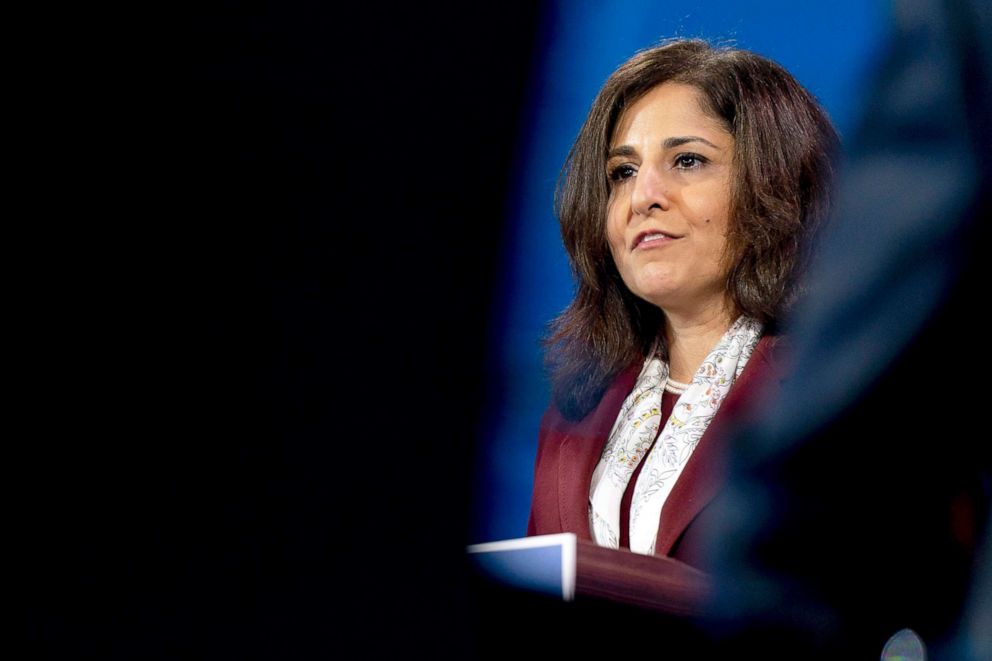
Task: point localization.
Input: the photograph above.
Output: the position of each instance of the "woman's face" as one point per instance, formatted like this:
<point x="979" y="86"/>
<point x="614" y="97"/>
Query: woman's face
<point x="670" y="166"/>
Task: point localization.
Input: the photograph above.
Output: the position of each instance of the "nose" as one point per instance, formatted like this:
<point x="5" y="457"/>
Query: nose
<point x="649" y="192"/>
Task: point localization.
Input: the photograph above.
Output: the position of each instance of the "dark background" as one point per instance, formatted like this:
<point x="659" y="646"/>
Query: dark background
<point x="260" y="260"/>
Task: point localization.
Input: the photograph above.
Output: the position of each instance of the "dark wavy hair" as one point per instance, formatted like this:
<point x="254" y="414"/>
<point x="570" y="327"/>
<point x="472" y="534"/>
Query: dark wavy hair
<point x="780" y="192"/>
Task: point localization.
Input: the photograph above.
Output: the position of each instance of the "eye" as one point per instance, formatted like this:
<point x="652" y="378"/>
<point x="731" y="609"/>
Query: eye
<point x="689" y="161"/>
<point x="622" y="172"/>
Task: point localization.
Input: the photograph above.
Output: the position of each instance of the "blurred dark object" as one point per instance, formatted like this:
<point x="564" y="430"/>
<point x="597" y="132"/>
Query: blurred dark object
<point x="858" y="498"/>
<point x="512" y="623"/>
<point x="258" y="360"/>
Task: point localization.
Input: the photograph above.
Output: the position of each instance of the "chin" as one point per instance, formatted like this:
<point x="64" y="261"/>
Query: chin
<point x="658" y="296"/>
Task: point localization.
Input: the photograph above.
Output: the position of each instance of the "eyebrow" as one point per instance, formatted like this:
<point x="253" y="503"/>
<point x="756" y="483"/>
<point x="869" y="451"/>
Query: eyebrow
<point x="622" y="150"/>
<point x="683" y="139"/>
<point x="669" y="143"/>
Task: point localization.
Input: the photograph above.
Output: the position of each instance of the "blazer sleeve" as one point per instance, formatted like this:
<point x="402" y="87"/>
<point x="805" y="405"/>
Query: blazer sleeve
<point x="543" y="505"/>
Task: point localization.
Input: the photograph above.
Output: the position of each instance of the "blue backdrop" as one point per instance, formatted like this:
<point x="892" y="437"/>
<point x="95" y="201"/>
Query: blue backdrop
<point x="830" y="49"/>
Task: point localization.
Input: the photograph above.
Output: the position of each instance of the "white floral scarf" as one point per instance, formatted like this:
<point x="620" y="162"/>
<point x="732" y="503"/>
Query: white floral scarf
<point x="635" y="431"/>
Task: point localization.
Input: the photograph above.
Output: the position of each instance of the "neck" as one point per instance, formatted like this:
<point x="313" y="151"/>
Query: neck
<point x="691" y="338"/>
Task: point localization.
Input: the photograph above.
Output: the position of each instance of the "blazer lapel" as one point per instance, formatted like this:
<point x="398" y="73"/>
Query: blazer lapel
<point x="703" y="475"/>
<point x="581" y="447"/>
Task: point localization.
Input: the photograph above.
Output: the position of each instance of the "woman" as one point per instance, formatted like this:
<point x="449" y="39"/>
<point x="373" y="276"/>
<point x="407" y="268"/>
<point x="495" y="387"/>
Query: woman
<point x="687" y="205"/>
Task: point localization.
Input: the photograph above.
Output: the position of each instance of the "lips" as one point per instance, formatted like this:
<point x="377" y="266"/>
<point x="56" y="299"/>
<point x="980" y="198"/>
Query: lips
<point x="650" y="238"/>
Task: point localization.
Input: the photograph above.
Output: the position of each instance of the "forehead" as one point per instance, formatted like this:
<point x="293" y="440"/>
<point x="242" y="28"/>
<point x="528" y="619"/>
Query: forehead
<point x="670" y="109"/>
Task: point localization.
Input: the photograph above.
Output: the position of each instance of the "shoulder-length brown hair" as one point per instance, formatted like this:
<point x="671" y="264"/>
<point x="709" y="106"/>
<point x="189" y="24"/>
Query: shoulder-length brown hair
<point x="783" y="146"/>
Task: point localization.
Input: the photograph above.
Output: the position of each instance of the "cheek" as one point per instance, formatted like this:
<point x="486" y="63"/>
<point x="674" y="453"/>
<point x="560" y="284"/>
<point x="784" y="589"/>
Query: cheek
<point x="713" y="224"/>
<point x="615" y="229"/>
<point x="719" y="252"/>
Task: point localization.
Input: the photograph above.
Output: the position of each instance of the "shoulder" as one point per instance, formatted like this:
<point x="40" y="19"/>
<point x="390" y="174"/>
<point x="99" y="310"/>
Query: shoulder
<point x="772" y="355"/>
<point x="765" y="370"/>
<point x="764" y="374"/>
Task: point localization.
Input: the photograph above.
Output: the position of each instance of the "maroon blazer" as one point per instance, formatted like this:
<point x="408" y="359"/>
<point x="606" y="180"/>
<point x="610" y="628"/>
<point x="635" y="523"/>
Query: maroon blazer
<point x="567" y="453"/>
